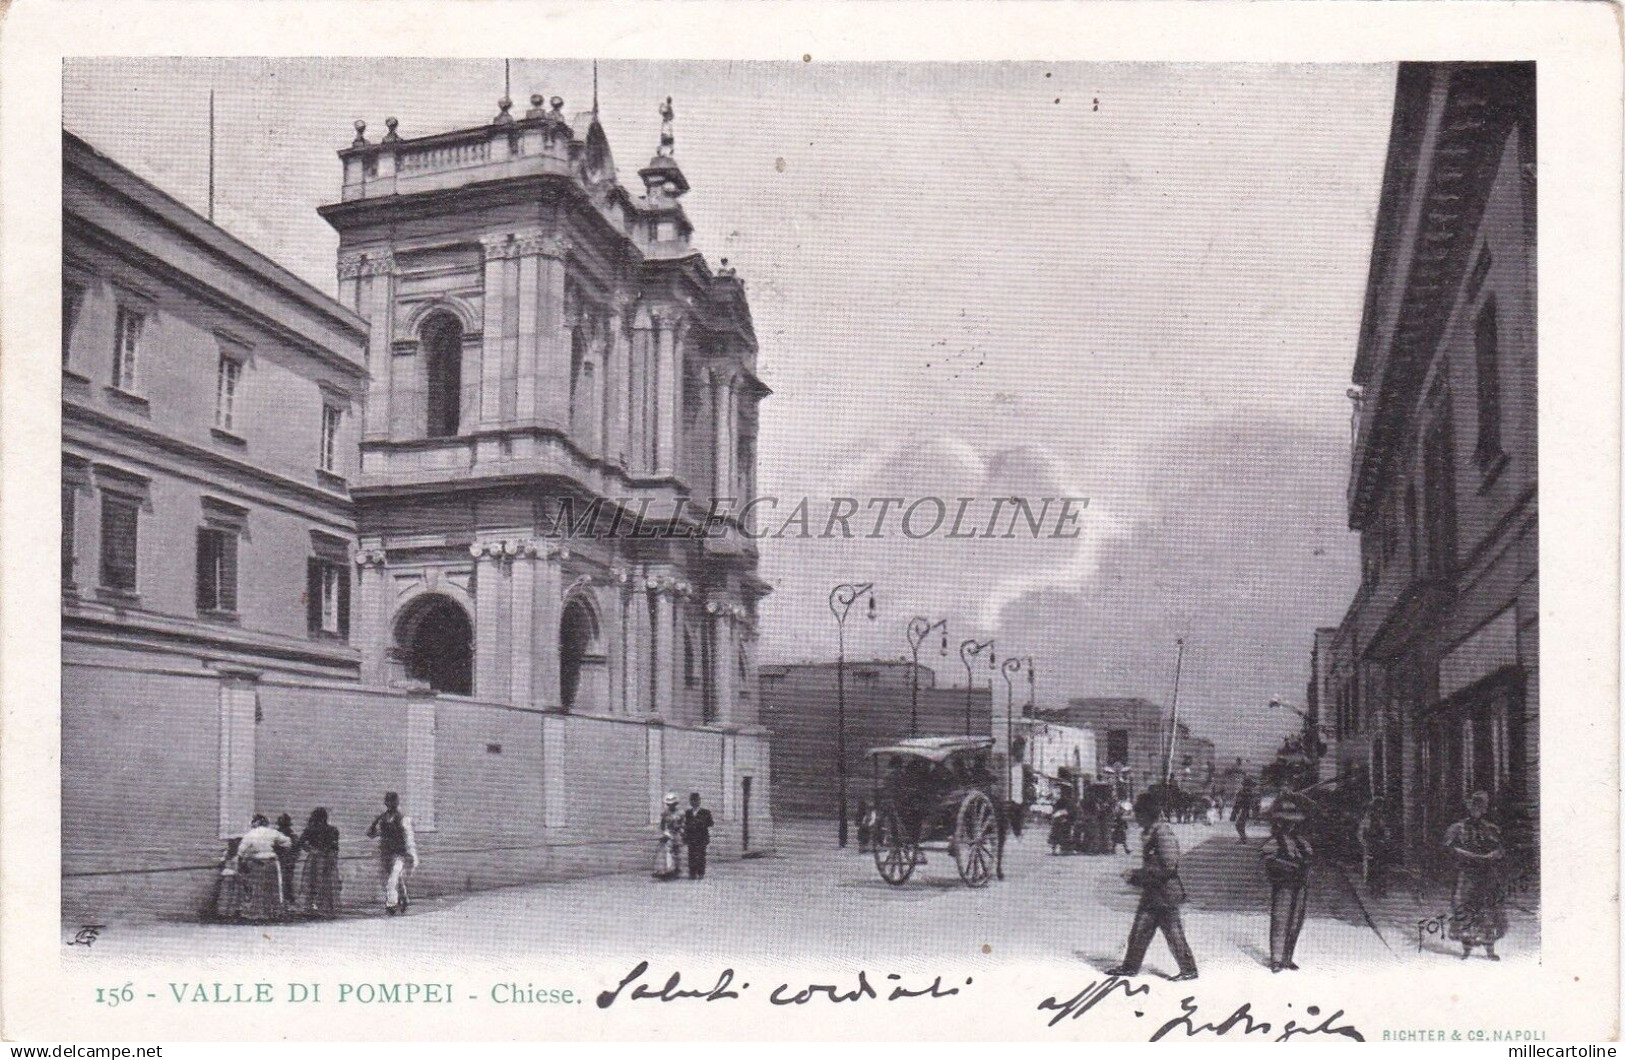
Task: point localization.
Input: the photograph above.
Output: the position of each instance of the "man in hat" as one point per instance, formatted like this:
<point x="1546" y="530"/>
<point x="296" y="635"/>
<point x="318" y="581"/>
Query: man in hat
<point x="1161" y="893"/>
<point x="1286" y="857"/>
<point x="397" y="852"/>
<point x="671" y="838"/>
<point x="697" y="824"/>
<point x="1246" y="800"/>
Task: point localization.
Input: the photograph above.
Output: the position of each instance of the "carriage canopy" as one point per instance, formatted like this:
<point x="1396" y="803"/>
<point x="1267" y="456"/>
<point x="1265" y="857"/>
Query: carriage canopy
<point x="935" y="749"/>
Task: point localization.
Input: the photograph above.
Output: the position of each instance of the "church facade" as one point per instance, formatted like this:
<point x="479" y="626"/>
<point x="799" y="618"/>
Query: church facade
<point x="502" y="576"/>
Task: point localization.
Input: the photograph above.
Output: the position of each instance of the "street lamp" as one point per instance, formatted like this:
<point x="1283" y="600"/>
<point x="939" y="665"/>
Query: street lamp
<point x="1010" y="666"/>
<point x="841" y="599"/>
<point x="918" y="629"/>
<point x="1312" y="728"/>
<point x="969" y="649"/>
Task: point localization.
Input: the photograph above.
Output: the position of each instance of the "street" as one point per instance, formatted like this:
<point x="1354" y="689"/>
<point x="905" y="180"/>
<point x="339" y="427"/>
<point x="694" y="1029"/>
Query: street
<point x="810" y="902"/>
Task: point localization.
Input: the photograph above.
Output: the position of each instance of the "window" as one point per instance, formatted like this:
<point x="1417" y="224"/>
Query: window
<point x="69" y="506"/>
<point x="327" y="598"/>
<point x="691" y="676"/>
<point x="73" y="297"/>
<point x="225" y="394"/>
<point x="126" y="346"/>
<point x="1438" y="496"/>
<point x="331" y="418"/>
<point x="443" y="366"/>
<point x="1486" y="344"/>
<point x="217" y="571"/>
<point x="1117" y="747"/>
<point x="119" y="527"/>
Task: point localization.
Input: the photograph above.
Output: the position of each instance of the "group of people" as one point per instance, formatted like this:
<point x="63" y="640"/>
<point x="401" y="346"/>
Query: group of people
<point x="260" y="876"/>
<point x="1474" y="844"/>
<point x="1090" y="821"/>
<point x="683" y="831"/>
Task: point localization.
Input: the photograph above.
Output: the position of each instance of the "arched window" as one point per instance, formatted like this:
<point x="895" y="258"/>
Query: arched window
<point x="442" y="344"/>
<point x="578" y="647"/>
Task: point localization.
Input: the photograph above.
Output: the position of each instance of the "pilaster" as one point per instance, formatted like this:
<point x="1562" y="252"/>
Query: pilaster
<point x="666" y="389"/>
<point x="490" y="677"/>
<point x="372" y="276"/>
<point x="551" y="386"/>
<point x="371" y="636"/>
<point x="499" y="252"/>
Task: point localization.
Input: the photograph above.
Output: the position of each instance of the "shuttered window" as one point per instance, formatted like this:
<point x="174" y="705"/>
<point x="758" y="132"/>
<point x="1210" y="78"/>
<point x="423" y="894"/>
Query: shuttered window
<point x="126" y="346"/>
<point x="327" y="598"/>
<point x="217" y="571"/>
<point x="120" y="515"/>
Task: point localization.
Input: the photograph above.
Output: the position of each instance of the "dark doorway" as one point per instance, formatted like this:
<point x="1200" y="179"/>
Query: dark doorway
<point x="437" y="642"/>
<point x="443" y="371"/>
<point x="744" y="814"/>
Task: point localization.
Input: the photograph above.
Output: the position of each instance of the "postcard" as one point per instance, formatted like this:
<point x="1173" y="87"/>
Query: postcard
<point x="699" y="521"/>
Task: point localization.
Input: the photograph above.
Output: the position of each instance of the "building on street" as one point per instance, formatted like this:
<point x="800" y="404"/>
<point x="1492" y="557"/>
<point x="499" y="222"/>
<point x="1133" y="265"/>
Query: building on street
<point x="799" y="704"/>
<point x="315" y="548"/>
<point x="1439" y="688"/>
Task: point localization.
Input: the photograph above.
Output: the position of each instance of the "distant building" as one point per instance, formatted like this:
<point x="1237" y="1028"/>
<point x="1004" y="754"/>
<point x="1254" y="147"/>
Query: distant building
<point x="1440" y="689"/>
<point x="1052" y="747"/>
<point x="1193" y="760"/>
<point x="1320" y="704"/>
<point x="799" y="711"/>
<point x="1130" y="736"/>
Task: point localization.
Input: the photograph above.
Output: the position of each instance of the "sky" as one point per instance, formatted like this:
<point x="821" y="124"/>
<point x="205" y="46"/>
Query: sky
<point x="1136" y="283"/>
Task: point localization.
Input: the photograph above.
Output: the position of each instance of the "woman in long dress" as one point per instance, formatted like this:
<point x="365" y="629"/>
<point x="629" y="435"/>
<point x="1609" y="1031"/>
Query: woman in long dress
<point x="320" y="842"/>
<point x="1476" y="916"/>
<point x="671" y="839"/>
<point x="259" y="875"/>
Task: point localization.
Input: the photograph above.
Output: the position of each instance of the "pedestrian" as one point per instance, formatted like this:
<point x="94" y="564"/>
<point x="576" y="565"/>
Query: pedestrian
<point x="227" y="894"/>
<point x="1161" y="893"/>
<point x="1246" y="799"/>
<point x="1376" y="847"/>
<point x="1120" y="830"/>
<point x="671" y="839"/>
<point x="865" y="826"/>
<point x="1476" y="916"/>
<point x="1286" y="856"/>
<point x="259" y="876"/>
<point x="287" y="857"/>
<point x="697" y="824"/>
<point x="320" y="844"/>
<point x="397" y="852"/>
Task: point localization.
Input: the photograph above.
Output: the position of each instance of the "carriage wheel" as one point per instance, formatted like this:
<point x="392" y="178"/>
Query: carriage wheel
<point x="976" y="839"/>
<point x="895" y="856"/>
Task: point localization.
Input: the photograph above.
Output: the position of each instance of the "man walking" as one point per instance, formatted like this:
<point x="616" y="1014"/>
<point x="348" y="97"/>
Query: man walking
<point x="1286" y="856"/>
<point x="1161" y="893"/>
<point x="697" y="824"/>
<point x="397" y="852"/>
<point x="1246" y="799"/>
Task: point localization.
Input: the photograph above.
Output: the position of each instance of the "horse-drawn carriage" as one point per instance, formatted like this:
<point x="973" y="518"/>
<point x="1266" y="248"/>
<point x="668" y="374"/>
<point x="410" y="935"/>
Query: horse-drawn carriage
<point x="938" y="792"/>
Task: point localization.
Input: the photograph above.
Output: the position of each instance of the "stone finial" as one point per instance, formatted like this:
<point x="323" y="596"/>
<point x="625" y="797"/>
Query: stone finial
<point x="557" y="103"/>
<point x="391" y="136"/>
<point x="360" y="134"/>
<point x="668" y="139"/>
<point x="724" y="269"/>
<point x="504" y="105"/>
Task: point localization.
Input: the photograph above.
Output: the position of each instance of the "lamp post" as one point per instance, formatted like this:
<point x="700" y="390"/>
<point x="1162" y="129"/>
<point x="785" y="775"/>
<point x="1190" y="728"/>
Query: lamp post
<point x="1311" y="727"/>
<point x="920" y="628"/>
<point x="1010" y="666"/>
<point x="969" y="649"/>
<point x="841" y="599"/>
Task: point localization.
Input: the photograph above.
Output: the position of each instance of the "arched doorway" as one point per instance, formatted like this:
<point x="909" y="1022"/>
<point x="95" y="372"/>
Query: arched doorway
<point x="580" y="662"/>
<point x="436" y="641"/>
<point x="442" y="345"/>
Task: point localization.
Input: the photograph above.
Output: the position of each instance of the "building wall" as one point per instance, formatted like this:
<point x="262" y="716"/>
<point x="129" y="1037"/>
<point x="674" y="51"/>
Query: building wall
<point x="1140" y="719"/>
<point x="1439" y="651"/>
<point x="499" y="795"/>
<point x="799" y="710"/>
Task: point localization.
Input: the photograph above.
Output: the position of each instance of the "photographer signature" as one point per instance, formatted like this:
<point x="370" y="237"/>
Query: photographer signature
<point x="1242" y="1019"/>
